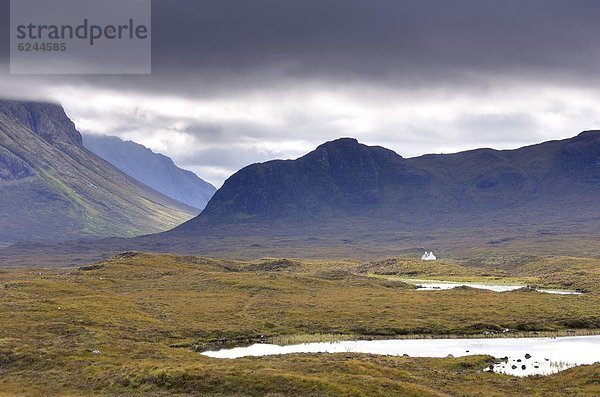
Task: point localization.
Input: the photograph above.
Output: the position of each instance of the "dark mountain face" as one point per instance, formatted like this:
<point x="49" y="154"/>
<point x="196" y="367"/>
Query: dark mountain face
<point x="347" y="200"/>
<point x="344" y="179"/>
<point x="152" y="169"/>
<point x="12" y="168"/>
<point x="52" y="188"/>
<point x="47" y="120"/>
<point x="339" y="176"/>
<point x="580" y="159"/>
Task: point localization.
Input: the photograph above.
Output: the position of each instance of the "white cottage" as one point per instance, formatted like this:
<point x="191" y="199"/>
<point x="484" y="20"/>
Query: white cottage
<point x="428" y="256"/>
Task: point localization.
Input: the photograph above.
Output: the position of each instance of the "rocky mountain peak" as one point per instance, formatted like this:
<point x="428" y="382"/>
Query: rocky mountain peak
<point x="47" y="120"/>
<point x="340" y="143"/>
<point x="589" y="134"/>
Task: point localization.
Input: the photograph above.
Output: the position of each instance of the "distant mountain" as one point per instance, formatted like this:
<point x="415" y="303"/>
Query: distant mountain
<point x="348" y="200"/>
<point x="152" y="169"/>
<point x="52" y="188"/>
<point x="344" y="179"/>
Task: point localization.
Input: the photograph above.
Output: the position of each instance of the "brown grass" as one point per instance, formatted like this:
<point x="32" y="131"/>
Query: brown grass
<point x="147" y="313"/>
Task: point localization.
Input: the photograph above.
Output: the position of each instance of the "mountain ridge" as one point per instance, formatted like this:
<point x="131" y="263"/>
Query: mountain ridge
<point x="47" y="120"/>
<point x="481" y="205"/>
<point x="52" y="188"/>
<point x="342" y="176"/>
<point x="152" y="169"/>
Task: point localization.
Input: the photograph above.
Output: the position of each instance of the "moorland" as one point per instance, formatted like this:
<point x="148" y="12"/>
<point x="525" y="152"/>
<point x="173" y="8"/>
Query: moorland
<point x="136" y="323"/>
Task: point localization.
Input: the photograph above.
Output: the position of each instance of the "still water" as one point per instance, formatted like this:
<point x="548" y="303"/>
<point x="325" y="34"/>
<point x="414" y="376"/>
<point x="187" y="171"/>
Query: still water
<point x="436" y="285"/>
<point x="517" y="356"/>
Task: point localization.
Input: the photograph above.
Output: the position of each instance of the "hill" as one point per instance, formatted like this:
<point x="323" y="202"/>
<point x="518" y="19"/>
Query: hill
<point x="52" y="188"/>
<point x="348" y="200"/>
<point x="135" y="324"/>
<point x="344" y="179"/>
<point x="152" y="169"/>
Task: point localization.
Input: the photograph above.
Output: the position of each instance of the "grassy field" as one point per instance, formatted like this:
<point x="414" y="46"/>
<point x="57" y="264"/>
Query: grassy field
<point x="135" y="323"/>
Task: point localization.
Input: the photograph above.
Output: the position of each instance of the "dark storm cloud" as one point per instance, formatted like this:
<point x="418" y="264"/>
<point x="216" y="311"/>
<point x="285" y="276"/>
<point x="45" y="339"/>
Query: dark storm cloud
<point x="236" y="82"/>
<point x="237" y="44"/>
<point x="406" y="41"/>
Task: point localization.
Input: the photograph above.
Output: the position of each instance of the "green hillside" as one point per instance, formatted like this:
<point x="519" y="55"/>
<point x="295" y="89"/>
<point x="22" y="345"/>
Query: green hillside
<point x="52" y="188"/>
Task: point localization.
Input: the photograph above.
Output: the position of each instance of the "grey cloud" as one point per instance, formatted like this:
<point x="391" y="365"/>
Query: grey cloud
<point x="367" y="38"/>
<point x="494" y="127"/>
<point x="225" y="157"/>
<point x="377" y="54"/>
<point x="214" y="46"/>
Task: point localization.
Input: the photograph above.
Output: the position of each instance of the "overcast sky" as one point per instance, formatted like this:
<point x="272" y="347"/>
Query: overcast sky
<point x="237" y="82"/>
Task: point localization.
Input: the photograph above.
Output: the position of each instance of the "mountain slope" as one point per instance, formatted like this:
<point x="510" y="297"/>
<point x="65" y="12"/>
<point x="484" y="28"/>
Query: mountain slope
<point x="152" y="169"/>
<point x="52" y="188"/>
<point x="347" y="200"/>
<point x="343" y="179"/>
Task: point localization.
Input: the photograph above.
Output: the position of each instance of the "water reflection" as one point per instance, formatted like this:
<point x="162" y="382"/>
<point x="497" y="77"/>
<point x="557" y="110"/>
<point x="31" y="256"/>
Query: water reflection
<point x="517" y="356"/>
<point x="437" y="285"/>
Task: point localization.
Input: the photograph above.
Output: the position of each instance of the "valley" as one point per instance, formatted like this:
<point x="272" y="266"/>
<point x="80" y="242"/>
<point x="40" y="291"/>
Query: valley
<point x="152" y="169"/>
<point x="137" y="323"/>
<point x="301" y="198"/>
<point x="53" y="189"/>
<point x="322" y="250"/>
